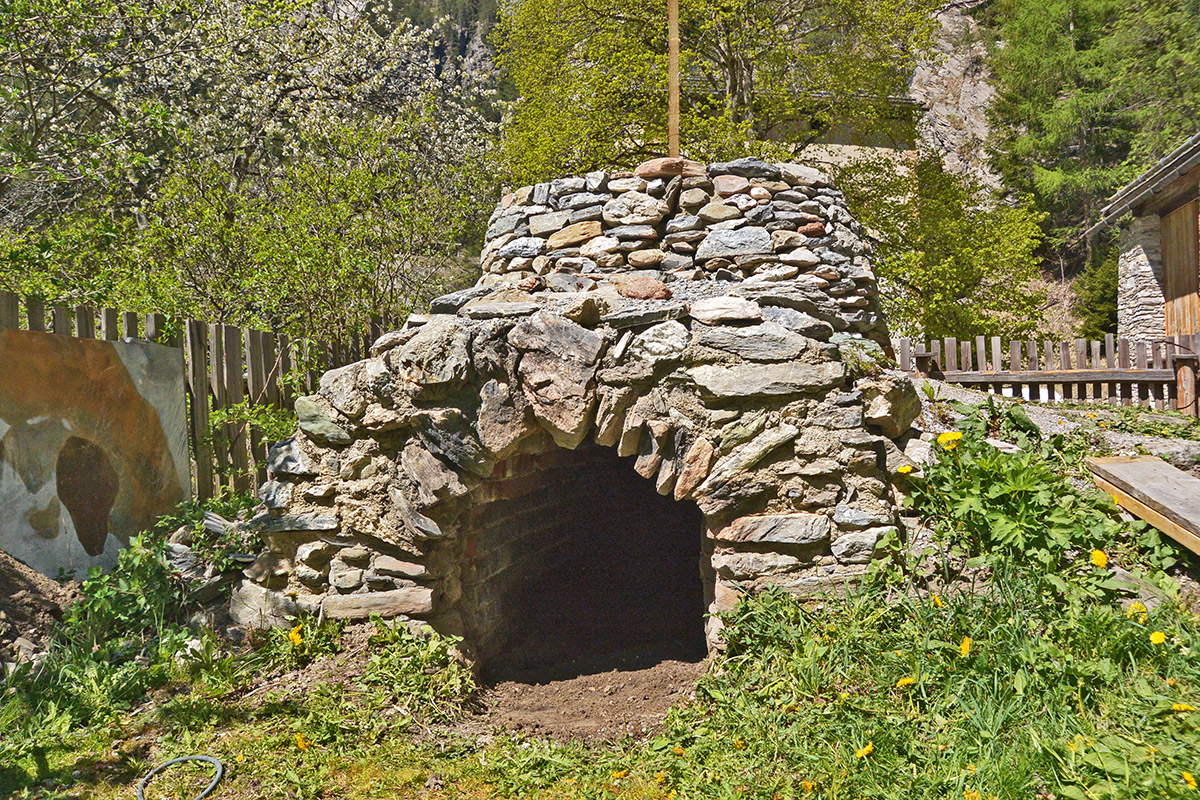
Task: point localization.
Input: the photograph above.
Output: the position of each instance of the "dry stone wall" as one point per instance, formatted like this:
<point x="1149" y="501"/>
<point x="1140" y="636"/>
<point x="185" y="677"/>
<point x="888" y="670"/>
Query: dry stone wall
<point x="1140" y="302"/>
<point x="715" y="326"/>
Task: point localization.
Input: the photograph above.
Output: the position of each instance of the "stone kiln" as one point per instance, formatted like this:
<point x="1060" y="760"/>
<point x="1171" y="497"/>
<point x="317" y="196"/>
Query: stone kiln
<point x="663" y="392"/>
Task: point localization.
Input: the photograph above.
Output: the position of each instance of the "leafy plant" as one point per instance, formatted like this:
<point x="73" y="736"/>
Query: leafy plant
<point x="420" y="670"/>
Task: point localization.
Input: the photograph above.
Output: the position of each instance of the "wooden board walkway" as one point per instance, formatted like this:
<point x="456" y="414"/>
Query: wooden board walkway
<point x="1150" y="488"/>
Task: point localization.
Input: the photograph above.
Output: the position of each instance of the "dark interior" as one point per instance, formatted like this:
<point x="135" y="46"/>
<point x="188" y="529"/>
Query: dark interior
<point x="601" y="573"/>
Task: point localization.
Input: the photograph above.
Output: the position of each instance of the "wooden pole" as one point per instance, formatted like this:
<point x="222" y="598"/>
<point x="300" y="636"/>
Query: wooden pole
<point x="673" y="78"/>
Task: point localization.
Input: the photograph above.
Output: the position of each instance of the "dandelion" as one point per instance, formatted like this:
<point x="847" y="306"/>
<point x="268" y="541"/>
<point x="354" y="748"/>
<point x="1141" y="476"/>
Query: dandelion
<point x="739" y="743"/>
<point x="240" y="758"/>
<point x="971" y="768"/>
<point x="807" y="786"/>
<point x="302" y="742"/>
<point x="1158" y="637"/>
<point x="1182" y="707"/>
<point x="972" y="794"/>
<point x="620" y="774"/>
<point x="937" y="601"/>
<point x="904" y="469"/>
<point x="660" y="777"/>
<point x="905" y="681"/>
<point x="843" y="695"/>
<point x="1137" y="609"/>
<point x="949" y="439"/>
<point x="677" y="750"/>
<point x="791" y="708"/>
<point x="863" y="752"/>
<point x="1189" y="780"/>
<point x="294" y="636"/>
<point x="964" y="649"/>
<point x="671" y="795"/>
<point x="1099" y="559"/>
<point x="1171" y="682"/>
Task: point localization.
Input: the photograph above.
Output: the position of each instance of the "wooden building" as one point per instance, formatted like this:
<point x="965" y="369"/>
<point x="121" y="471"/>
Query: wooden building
<point x="1159" y="275"/>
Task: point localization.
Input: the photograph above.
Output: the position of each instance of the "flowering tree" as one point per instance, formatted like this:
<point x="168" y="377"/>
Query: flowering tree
<point x="264" y="163"/>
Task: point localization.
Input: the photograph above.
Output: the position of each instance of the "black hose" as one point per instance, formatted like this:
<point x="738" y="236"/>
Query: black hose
<point x="208" y="759"/>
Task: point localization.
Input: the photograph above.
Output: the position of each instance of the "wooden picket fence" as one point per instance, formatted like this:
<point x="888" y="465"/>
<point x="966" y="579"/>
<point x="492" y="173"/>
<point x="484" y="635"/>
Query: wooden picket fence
<point x="227" y="368"/>
<point x="1155" y="374"/>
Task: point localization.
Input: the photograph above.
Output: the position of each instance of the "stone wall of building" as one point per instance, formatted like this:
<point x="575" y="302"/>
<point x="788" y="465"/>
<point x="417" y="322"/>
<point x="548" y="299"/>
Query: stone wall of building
<point x="1140" y="312"/>
<point x="712" y="330"/>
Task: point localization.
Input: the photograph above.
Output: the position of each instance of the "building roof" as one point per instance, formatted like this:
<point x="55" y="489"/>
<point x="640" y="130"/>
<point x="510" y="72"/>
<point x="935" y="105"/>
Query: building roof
<point x="1144" y="187"/>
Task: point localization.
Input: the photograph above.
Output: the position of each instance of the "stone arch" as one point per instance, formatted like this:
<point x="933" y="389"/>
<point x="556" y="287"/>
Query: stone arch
<point x="753" y="399"/>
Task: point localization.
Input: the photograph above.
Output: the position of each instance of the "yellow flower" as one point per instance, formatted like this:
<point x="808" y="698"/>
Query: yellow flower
<point x="808" y="786"/>
<point x="740" y="744"/>
<point x="677" y="750"/>
<point x="863" y="752"/>
<point x="1099" y="559"/>
<point x="1171" y="682"/>
<point x="1182" y="707"/>
<point x="1158" y="637"/>
<point x="971" y="768"/>
<point x="971" y="794"/>
<point x="1189" y="780"/>
<point x="620" y="774"/>
<point x="937" y="601"/>
<point x="843" y="695"/>
<point x="905" y="682"/>
<point x="671" y="795"/>
<point x="660" y="777"/>
<point x="240" y="758"/>
<point x="964" y="649"/>
<point x="904" y="469"/>
<point x="1137" y="609"/>
<point x="949" y="438"/>
<point x="301" y="742"/>
<point x="294" y="636"/>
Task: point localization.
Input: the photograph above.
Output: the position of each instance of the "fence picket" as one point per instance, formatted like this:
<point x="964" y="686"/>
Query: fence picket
<point x="235" y="390"/>
<point x="110" y="324"/>
<point x="10" y="310"/>
<point x="61" y="322"/>
<point x="197" y="381"/>
<point x="35" y="313"/>
<point x="85" y="322"/>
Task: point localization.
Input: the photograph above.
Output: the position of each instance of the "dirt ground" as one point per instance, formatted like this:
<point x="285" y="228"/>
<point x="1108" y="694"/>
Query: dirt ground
<point x="30" y="604"/>
<point x="593" y="708"/>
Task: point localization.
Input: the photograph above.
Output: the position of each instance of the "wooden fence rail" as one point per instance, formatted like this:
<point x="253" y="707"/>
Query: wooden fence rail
<point x="230" y="373"/>
<point x="1159" y="374"/>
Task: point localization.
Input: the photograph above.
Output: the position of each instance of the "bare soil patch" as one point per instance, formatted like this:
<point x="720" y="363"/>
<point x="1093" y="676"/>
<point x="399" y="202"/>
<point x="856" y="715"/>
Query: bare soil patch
<point x="30" y="605"/>
<point x="593" y="708"/>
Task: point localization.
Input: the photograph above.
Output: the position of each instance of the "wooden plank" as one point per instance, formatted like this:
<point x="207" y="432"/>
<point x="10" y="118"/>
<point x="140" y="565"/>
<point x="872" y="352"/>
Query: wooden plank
<point x="1180" y="267"/>
<point x="1150" y="488"/>
<point x="61" y="322"/>
<point x="997" y="354"/>
<point x="936" y="348"/>
<point x="905" y="354"/>
<point x="1140" y="362"/>
<point x="35" y="313"/>
<point x="85" y="322"/>
<point x="1081" y="361"/>
<point x="129" y="325"/>
<point x="286" y="364"/>
<point x="1110" y="361"/>
<point x="1095" y="363"/>
<point x="1014" y="363"/>
<point x="1157" y="362"/>
<point x="951" y="345"/>
<point x="110" y="324"/>
<point x="235" y="390"/>
<point x="257" y="385"/>
<point x="271" y="361"/>
<point x="1145" y="376"/>
<point x="1124" y="363"/>
<point x="1064" y="362"/>
<point x="981" y="353"/>
<point x="964" y="351"/>
<point x="156" y="328"/>
<point x="10" y="310"/>
<point x="198" y="397"/>
<point x="220" y="398"/>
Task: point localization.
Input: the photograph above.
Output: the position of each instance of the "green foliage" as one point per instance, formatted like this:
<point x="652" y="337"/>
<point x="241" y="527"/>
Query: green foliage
<point x="951" y="262"/>
<point x="1096" y="295"/>
<point x="311" y="172"/>
<point x="1089" y="94"/>
<point x="760" y="77"/>
<point x="420" y="670"/>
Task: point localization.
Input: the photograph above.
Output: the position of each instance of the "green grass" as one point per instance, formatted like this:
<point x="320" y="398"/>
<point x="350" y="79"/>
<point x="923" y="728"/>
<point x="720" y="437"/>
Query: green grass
<point x="1064" y="692"/>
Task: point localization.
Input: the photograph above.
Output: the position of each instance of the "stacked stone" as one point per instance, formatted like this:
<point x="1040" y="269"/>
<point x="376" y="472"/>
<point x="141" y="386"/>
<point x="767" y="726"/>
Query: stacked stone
<point x="752" y="390"/>
<point x="729" y="221"/>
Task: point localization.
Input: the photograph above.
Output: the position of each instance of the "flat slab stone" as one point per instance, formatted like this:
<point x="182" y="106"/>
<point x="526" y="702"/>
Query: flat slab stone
<point x="411" y="601"/>
<point x="745" y="241"/>
<point x="765" y="342"/>
<point x="716" y="310"/>
<point x="777" y="529"/>
<point x="766" y="380"/>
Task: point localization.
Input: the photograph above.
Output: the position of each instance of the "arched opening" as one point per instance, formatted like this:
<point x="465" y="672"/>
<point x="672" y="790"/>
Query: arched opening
<point x="575" y="565"/>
